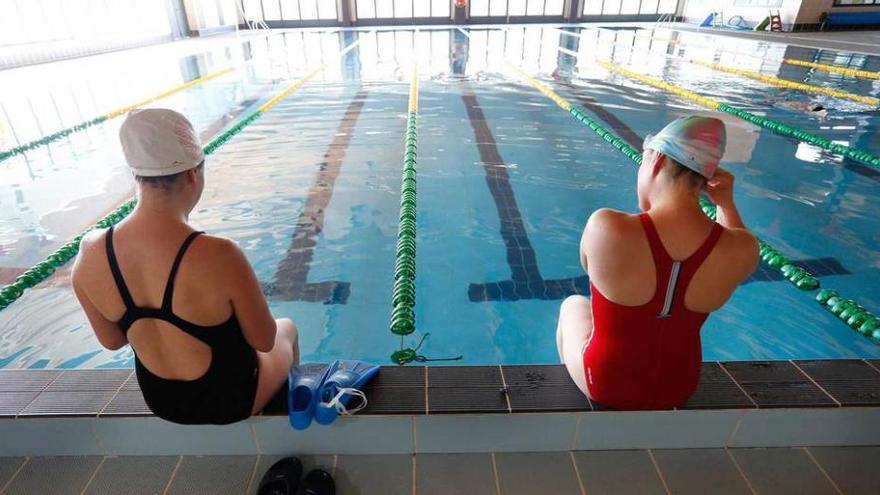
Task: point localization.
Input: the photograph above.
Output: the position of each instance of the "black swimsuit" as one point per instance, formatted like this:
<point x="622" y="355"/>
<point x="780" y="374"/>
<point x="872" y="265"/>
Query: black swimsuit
<point x="225" y="393"/>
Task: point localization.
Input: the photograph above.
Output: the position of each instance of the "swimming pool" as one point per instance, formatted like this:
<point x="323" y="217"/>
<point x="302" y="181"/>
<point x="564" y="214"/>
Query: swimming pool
<point x="506" y="180"/>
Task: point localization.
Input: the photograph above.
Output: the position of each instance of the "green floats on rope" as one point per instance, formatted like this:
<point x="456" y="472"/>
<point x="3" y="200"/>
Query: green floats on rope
<point x="50" y="138"/>
<point x="44" y="269"/>
<point x="789" y="131"/>
<point x="850" y="312"/>
<point x="801" y="278"/>
<point x="403" y="297"/>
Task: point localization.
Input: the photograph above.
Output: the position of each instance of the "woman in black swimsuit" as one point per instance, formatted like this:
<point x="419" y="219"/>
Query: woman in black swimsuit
<point x="207" y="350"/>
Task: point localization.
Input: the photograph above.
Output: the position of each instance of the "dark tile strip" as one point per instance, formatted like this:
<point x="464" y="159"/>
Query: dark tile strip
<point x="778" y="384"/>
<point x="480" y="389"/>
<point x="291" y="279"/>
<point x="526" y="281"/>
<point x="848" y="382"/>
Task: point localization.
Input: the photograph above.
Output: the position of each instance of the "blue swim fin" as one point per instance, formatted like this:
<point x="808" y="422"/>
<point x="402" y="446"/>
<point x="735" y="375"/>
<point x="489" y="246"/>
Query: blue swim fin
<point x="303" y="384"/>
<point x="342" y="377"/>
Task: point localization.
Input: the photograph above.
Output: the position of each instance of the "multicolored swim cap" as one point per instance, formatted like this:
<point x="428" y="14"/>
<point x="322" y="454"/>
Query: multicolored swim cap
<point x="695" y="142"/>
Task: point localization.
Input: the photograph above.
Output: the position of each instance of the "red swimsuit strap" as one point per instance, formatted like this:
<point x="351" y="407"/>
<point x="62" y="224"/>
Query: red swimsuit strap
<point x="690" y="266"/>
<point x="663" y="262"/>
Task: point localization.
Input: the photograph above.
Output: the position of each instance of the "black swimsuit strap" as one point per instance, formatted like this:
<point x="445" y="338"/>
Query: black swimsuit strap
<point x="117" y="274"/>
<point x="169" y="287"/>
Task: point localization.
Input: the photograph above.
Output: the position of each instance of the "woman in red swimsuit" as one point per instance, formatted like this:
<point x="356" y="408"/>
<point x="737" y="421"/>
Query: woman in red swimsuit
<point x="656" y="276"/>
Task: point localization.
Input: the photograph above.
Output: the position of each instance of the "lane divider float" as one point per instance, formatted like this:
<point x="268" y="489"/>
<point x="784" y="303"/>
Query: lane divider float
<point x="785" y="83"/>
<point x="42" y="270"/>
<point x="850" y="312"/>
<point x="858" y="73"/>
<point x="801" y="278"/>
<point x="773" y="125"/>
<point x="45" y="140"/>
<point x="865" y="74"/>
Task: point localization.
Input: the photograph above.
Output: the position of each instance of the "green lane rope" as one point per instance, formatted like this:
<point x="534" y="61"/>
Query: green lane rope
<point x="44" y="269"/>
<point x="403" y="294"/>
<point x="50" y="138"/>
<point x="773" y="125"/>
<point x="107" y="116"/>
<point x="789" y="131"/>
<point x="850" y="312"/>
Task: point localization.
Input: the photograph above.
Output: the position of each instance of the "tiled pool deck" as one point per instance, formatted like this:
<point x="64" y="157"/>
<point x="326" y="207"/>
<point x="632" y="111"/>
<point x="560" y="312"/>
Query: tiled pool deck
<point x="458" y="409"/>
<point x="802" y="471"/>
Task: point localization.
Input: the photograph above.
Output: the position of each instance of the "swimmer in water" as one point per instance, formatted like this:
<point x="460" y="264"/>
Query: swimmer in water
<point x="804" y="107"/>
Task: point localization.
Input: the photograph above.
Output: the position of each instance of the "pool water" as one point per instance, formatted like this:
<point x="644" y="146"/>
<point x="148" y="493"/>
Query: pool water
<point x="506" y="181"/>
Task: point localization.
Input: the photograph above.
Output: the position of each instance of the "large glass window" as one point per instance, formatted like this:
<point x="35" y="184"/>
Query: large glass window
<point x="593" y="7"/>
<point x="611" y="7"/>
<point x="271" y="10"/>
<point x="630" y="7"/>
<point x="290" y="9"/>
<point x="401" y="9"/>
<point x="479" y="8"/>
<point x="503" y="8"/>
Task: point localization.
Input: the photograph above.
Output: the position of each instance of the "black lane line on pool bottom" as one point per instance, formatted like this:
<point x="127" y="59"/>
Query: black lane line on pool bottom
<point x="526" y="280"/>
<point x="291" y="279"/>
<point x="820" y="267"/>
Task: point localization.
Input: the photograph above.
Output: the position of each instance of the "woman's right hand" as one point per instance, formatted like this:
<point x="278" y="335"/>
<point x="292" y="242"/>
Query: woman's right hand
<point x="720" y="188"/>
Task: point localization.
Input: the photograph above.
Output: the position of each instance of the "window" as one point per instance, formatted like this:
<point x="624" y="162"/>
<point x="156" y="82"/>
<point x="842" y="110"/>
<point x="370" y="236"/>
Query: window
<point x="631" y="7"/>
<point x="611" y="7"/>
<point x="400" y="9"/>
<point x="271" y="10"/>
<point x="516" y="7"/>
<point x="504" y="8"/>
<point x="290" y="9"/>
<point x="649" y="6"/>
<point x="593" y="7"/>
<point x="479" y="8"/>
<point x="553" y="7"/>
<point x="667" y="6"/>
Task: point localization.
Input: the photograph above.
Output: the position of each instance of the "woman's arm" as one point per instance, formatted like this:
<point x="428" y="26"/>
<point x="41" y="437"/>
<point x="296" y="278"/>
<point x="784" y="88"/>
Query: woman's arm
<point x="248" y="302"/>
<point x="108" y="332"/>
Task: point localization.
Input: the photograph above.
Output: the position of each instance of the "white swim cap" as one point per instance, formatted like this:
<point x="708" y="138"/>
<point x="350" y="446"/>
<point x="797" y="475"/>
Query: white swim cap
<point x="696" y="142"/>
<point x="158" y="142"/>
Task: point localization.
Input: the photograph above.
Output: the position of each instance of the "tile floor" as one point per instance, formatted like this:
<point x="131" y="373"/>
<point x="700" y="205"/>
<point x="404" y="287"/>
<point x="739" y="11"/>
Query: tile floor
<point x="798" y="471"/>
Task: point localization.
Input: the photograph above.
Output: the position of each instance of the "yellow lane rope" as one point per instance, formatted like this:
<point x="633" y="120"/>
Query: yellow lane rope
<point x="194" y="82"/>
<point x="543" y="88"/>
<point x="657" y="83"/>
<point x="414" y="90"/>
<point x="785" y="83"/>
<point x="290" y="89"/>
<point x="866" y="74"/>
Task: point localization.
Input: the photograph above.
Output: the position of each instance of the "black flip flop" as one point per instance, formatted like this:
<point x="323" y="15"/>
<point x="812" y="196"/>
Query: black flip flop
<point x="317" y="482"/>
<point x="282" y="478"/>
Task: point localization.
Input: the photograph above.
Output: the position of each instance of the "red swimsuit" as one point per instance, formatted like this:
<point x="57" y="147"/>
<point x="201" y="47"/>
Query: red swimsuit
<point x="649" y="356"/>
